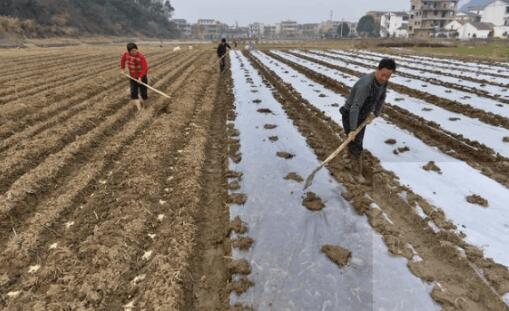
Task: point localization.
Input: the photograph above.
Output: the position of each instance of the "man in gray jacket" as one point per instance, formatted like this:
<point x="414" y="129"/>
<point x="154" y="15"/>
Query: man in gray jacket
<point x="367" y="96"/>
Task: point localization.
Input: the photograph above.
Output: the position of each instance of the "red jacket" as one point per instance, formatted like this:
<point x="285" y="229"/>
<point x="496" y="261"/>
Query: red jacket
<point x="137" y="65"/>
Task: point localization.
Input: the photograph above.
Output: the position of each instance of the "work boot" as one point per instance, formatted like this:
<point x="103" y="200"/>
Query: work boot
<point x="357" y="170"/>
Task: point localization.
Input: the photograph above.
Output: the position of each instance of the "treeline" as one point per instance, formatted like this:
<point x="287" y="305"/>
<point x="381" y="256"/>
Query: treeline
<point x="38" y="18"/>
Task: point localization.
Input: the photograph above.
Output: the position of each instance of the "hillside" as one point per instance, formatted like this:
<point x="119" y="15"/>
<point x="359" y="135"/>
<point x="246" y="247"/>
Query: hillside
<point x="40" y="18"/>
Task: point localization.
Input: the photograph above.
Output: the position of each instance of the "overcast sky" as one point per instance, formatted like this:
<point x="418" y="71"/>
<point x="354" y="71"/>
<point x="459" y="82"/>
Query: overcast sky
<point x="272" y="11"/>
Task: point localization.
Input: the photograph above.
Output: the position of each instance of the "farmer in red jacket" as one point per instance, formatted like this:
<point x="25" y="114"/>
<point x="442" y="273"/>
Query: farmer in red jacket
<point x="138" y="69"/>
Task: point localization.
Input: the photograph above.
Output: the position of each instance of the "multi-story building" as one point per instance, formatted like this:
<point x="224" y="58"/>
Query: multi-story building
<point x="309" y="30"/>
<point x="208" y="29"/>
<point x="429" y="17"/>
<point x="183" y="27"/>
<point x="289" y="29"/>
<point x="269" y="31"/>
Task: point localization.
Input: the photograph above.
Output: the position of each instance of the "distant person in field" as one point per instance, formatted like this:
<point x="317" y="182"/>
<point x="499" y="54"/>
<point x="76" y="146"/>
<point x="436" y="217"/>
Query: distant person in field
<point x="222" y="49"/>
<point x="138" y="69"/>
<point x="366" y="99"/>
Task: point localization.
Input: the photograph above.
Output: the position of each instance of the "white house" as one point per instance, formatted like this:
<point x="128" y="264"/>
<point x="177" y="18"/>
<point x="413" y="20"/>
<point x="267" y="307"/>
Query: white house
<point x="501" y="31"/>
<point x="497" y="13"/>
<point x="475" y="31"/>
<point x="453" y="26"/>
<point x="402" y="32"/>
<point x="391" y="22"/>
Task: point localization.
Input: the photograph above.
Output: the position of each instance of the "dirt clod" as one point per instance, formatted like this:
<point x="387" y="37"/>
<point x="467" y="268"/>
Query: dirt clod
<point x="237" y="198"/>
<point x="295" y="177"/>
<point x="390" y="141"/>
<point x="273" y="138"/>
<point x="477" y="199"/>
<point x="233" y="174"/>
<point x="454" y="119"/>
<point x="313" y="202"/>
<point x="506" y="139"/>
<point x="337" y="254"/>
<point x="241" y="286"/>
<point x="240" y="266"/>
<point x="269" y="126"/>
<point x="234" y="185"/>
<point x="401" y="150"/>
<point x="431" y="166"/>
<point x="242" y="243"/>
<point x="285" y="155"/>
<point x="265" y="110"/>
<point x="237" y="226"/>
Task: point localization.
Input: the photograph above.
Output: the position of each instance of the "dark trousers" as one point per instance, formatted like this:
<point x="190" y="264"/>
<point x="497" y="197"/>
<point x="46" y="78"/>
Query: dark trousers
<point x="135" y="86"/>
<point x="222" y="64"/>
<point x="355" y="146"/>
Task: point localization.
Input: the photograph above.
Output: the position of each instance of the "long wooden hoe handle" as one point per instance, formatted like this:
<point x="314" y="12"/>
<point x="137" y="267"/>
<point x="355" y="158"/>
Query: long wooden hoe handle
<point x="148" y="86"/>
<point x="310" y="178"/>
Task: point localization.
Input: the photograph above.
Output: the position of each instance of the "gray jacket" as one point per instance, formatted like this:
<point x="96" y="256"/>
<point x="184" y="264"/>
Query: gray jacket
<point x="366" y="96"/>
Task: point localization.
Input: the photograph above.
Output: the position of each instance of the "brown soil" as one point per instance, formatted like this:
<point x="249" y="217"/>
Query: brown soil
<point x="257" y="101"/>
<point x="454" y="119"/>
<point x="477" y="199"/>
<point x="431" y="166"/>
<point x="237" y="198"/>
<point x="390" y="141"/>
<point x="238" y="226"/>
<point x="273" y="138"/>
<point x="506" y="139"/>
<point x="285" y="155"/>
<point x="234" y="185"/>
<point x="241" y="286"/>
<point x="232" y="174"/>
<point x="441" y="261"/>
<point x="111" y="191"/>
<point x="312" y="202"/>
<point x="337" y="254"/>
<point x="242" y="243"/>
<point x="269" y="126"/>
<point x="295" y="177"/>
<point x="240" y="266"/>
